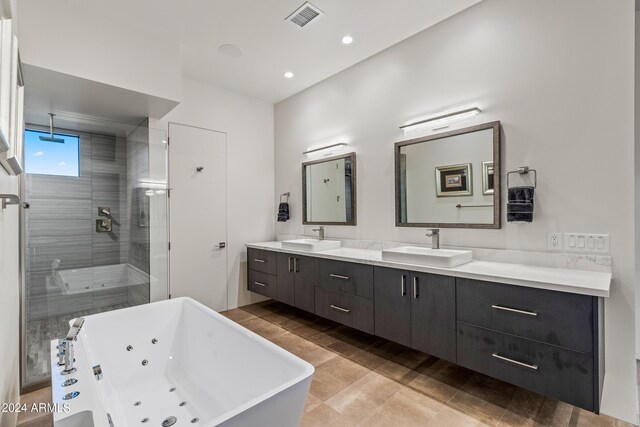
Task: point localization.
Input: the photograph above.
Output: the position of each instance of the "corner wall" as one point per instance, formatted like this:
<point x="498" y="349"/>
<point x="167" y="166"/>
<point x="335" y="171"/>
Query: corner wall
<point x="9" y="301"/>
<point x="559" y="75"/>
<point x="251" y="209"/>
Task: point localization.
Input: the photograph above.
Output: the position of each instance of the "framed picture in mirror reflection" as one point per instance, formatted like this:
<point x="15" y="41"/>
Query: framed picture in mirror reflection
<point x="454" y="180"/>
<point x="487" y="178"/>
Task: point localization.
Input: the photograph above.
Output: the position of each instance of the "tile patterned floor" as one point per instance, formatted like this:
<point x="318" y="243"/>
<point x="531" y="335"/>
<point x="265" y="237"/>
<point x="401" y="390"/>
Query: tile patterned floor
<point x="362" y="380"/>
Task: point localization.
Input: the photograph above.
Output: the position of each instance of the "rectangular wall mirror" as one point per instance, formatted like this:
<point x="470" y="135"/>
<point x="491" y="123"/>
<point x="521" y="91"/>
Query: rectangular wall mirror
<point x="451" y="179"/>
<point x="329" y="191"/>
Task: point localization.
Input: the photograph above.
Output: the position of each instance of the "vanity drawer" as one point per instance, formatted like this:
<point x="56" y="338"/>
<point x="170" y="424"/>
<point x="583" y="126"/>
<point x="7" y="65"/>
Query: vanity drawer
<point x="263" y="284"/>
<point x="549" y="370"/>
<point x="349" y="310"/>
<point x="346" y="277"/>
<point x="557" y="318"/>
<point x="259" y="260"/>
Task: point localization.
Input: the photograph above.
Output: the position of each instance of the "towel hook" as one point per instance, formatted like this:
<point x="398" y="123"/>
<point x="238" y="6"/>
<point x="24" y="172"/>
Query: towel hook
<point x="524" y="170"/>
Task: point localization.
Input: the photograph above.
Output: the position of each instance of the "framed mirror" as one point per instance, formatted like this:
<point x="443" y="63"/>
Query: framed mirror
<point x="329" y="191"/>
<point x="451" y="179"/>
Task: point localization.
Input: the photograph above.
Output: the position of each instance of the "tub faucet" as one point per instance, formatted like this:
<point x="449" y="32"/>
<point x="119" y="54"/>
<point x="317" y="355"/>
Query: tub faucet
<point x="320" y="231"/>
<point x="435" y="238"/>
<point x="68" y="351"/>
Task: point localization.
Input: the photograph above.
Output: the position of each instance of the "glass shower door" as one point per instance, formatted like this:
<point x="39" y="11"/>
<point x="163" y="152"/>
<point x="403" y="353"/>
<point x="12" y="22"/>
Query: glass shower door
<point x="87" y="235"/>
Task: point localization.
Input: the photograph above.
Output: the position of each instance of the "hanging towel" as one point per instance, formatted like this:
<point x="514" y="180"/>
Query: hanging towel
<point x="520" y="204"/>
<point x="283" y="212"/>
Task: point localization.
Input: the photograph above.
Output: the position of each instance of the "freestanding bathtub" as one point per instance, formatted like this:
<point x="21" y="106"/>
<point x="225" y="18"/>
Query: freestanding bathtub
<point x="179" y="362"/>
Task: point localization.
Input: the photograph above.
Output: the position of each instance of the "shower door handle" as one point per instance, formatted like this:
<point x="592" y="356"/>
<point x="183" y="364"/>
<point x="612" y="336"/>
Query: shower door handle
<point x="221" y="245"/>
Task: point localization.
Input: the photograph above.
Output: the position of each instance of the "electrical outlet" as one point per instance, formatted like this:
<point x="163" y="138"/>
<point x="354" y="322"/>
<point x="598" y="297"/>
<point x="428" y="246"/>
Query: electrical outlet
<point x="554" y="241"/>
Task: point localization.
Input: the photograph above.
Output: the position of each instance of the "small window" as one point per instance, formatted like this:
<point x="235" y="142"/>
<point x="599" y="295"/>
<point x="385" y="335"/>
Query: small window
<point x="60" y="157"/>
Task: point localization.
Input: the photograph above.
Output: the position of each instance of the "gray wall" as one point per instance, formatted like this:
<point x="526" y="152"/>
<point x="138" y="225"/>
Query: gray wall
<point x="61" y="221"/>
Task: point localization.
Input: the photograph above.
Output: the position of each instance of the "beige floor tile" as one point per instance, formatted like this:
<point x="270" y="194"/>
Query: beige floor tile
<point x="325" y="385"/>
<point x="405" y="408"/>
<point x="582" y="418"/>
<point x="529" y="409"/>
<point x="434" y="388"/>
<point x="312" y="402"/>
<point x="367" y="359"/>
<point x="345" y="369"/>
<point x="363" y="397"/>
<point x="491" y="390"/>
<point x="450" y="417"/>
<point x="396" y="372"/>
<point x="238" y="315"/>
<point x="477" y="408"/>
<point x="323" y="416"/>
<point x="42" y="395"/>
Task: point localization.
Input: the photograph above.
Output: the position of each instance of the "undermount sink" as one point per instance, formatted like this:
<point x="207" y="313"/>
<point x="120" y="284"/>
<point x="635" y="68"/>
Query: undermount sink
<point x="426" y="256"/>
<point x="311" y="245"/>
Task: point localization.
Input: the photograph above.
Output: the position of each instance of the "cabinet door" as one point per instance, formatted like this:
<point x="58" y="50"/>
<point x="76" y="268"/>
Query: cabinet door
<point x="392" y="304"/>
<point x="433" y="315"/>
<point x="306" y="277"/>
<point x="285" y="278"/>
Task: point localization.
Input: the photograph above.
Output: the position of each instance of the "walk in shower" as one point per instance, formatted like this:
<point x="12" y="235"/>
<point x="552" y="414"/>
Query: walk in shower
<point x="95" y="236"/>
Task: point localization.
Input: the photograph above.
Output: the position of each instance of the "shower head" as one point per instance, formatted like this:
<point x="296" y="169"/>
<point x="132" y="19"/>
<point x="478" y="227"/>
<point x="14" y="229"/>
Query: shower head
<point x="51" y="138"/>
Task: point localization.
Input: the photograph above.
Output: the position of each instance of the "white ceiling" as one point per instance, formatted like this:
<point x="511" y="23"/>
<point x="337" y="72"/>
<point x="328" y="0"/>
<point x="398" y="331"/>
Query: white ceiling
<point x="272" y="45"/>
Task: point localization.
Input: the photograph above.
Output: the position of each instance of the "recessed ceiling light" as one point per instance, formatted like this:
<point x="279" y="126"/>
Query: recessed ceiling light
<point x="288" y="75"/>
<point x="347" y="40"/>
<point x="230" y="50"/>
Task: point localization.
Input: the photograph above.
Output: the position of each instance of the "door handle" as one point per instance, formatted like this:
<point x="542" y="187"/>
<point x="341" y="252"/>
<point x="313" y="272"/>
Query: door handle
<point x="295" y="265"/>
<point x="290" y="269"/>
<point x="415" y="287"/>
<point x="221" y="245"/>
<point x="403" y="285"/>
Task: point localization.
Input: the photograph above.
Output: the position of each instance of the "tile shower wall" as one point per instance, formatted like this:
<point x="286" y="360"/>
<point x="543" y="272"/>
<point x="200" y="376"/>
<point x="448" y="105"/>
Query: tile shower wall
<point x="61" y="225"/>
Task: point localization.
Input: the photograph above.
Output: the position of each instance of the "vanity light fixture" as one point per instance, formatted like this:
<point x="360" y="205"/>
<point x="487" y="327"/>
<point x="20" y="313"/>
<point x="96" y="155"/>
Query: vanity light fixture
<point x="326" y="147"/>
<point x="440" y="120"/>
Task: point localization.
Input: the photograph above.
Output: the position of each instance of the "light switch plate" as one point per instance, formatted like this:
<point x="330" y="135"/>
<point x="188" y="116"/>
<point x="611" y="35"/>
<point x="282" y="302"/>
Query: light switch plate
<point x="583" y="242"/>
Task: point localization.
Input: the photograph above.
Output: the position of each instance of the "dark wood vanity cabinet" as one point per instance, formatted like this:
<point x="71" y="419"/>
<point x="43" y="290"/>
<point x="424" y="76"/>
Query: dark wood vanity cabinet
<point x="345" y="294"/>
<point x="416" y="310"/>
<point x="296" y="277"/>
<point x="546" y="341"/>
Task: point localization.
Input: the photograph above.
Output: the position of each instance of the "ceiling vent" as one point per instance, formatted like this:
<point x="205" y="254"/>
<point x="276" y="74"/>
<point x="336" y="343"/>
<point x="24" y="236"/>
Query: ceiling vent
<point x="305" y="14"/>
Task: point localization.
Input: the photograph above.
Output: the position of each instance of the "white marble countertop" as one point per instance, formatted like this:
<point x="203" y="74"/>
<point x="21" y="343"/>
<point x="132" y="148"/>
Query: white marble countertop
<point x="556" y="279"/>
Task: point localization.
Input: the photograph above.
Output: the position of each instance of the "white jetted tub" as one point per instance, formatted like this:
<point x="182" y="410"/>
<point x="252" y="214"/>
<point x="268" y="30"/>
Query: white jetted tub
<point x="80" y="280"/>
<point x="179" y="362"/>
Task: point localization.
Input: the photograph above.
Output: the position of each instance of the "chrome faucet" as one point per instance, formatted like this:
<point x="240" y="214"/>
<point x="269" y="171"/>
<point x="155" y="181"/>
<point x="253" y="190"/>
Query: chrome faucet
<point x="435" y="238"/>
<point x="68" y="350"/>
<point x="320" y="231"/>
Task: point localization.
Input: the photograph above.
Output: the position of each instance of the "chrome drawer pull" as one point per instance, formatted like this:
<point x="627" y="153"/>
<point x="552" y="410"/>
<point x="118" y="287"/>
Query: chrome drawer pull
<point x="403" y="285"/>
<point x="259" y="260"/>
<point x="335" y="307"/>
<point x="514" y="310"/>
<point x="337" y="276"/>
<point x="290" y="270"/>
<point x="260" y="284"/>
<point x="515" y="362"/>
<point x="415" y="288"/>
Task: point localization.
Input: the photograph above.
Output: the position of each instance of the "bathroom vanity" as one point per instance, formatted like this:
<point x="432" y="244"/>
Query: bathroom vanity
<point x="539" y="328"/>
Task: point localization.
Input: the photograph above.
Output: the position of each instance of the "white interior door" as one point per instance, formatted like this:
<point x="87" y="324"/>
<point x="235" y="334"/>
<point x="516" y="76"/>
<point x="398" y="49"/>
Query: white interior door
<point x="198" y="215"/>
